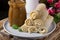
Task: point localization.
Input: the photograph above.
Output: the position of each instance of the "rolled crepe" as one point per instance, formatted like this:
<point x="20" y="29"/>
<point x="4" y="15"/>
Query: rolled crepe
<point x="24" y="28"/>
<point x="32" y="29"/>
<point x="29" y="22"/>
<point x="42" y="30"/>
<point x="34" y="15"/>
<point x="48" y="21"/>
<point x="38" y="23"/>
<point x="41" y="8"/>
<point x="44" y="15"/>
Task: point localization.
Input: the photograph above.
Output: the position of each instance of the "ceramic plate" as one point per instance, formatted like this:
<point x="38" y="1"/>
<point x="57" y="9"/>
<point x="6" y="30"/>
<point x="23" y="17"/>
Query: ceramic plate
<point x="14" y="32"/>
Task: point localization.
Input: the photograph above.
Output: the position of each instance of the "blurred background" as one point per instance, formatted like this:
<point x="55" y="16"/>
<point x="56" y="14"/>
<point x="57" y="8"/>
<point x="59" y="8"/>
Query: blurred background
<point x="4" y="7"/>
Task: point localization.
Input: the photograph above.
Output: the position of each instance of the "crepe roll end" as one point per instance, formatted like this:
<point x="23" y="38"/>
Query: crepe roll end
<point x="41" y="6"/>
<point x="43" y="30"/>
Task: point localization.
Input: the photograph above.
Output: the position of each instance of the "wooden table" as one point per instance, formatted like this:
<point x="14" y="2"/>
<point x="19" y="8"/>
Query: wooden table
<point x="5" y="36"/>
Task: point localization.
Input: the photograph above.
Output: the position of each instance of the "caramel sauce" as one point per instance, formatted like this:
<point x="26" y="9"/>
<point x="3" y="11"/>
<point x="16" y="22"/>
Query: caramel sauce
<point x="17" y="13"/>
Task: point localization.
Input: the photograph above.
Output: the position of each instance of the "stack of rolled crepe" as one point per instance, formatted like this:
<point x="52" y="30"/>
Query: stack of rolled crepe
<point x="38" y="21"/>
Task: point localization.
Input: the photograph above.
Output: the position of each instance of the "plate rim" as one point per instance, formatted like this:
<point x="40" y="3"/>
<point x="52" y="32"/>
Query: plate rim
<point x="27" y="37"/>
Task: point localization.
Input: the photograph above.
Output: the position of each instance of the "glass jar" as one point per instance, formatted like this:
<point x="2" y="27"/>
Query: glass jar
<point x="17" y="13"/>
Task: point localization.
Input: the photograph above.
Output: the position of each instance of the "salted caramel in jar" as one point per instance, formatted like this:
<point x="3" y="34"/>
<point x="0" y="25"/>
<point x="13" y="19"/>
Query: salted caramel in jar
<point x="17" y="13"/>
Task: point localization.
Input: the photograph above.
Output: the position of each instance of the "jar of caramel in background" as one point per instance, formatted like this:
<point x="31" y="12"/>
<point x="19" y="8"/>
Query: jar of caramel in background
<point x="17" y="12"/>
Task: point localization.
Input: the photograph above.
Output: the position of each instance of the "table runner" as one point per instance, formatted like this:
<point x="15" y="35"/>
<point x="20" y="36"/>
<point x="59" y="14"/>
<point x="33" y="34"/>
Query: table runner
<point x="5" y="36"/>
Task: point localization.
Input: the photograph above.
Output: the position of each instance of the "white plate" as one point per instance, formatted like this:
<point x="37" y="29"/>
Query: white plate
<point x="14" y="32"/>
